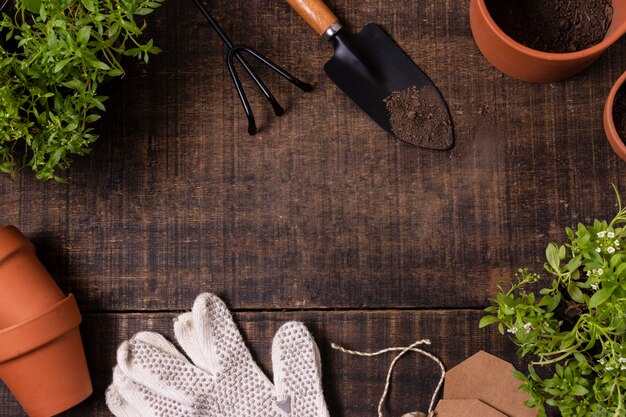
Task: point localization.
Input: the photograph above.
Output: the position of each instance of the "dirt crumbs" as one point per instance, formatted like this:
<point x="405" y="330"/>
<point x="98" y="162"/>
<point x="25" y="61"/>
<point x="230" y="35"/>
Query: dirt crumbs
<point x="419" y="117"/>
<point x="619" y="113"/>
<point x="553" y="25"/>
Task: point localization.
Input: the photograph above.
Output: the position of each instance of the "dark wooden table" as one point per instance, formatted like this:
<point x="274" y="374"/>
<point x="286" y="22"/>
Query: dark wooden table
<point x="321" y="217"/>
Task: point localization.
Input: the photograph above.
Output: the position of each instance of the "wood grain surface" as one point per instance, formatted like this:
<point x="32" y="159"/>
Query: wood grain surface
<point x="320" y="216"/>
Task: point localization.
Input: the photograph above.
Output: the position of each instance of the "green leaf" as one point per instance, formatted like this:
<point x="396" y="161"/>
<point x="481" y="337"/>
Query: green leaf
<point x="99" y="65"/>
<point x="520" y="376"/>
<point x="552" y="255"/>
<point x="89" y="5"/>
<point x="574" y="264"/>
<point x="74" y="84"/>
<point x="601" y="296"/>
<point x="60" y="65"/>
<point x="83" y="35"/>
<point x="114" y="30"/>
<point x="7" y="167"/>
<point x="143" y="11"/>
<point x="56" y="157"/>
<point x="487" y="320"/>
<point x="567" y="341"/>
<point x="559" y="370"/>
<point x="582" y="360"/>
<point x="32" y="6"/>
<point x="575" y="293"/>
<point x="579" y="390"/>
<point x="555" y="302"/>
<point x="115" y="72"/>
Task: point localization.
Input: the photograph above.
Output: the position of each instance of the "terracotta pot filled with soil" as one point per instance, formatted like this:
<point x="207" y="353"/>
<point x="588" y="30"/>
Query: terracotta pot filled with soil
<point x="545" y="40"/>
<point x="42" y="360"/>
<point x="615" y="117"/>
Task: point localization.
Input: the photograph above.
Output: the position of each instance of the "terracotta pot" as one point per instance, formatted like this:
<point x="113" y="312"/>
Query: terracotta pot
<point x="617" y="143"/>
<point x="42" y="360"/>
<point x="521" y="62"/>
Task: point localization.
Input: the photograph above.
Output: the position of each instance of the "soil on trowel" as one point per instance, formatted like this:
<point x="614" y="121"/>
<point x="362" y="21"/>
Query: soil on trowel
<point x="419" y="117"/>
<point x="553" y="25"/>
<point x="619" y="113"/>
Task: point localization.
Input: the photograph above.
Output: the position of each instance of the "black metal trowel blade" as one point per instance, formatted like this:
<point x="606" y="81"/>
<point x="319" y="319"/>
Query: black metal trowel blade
<point x="369" y="66"/>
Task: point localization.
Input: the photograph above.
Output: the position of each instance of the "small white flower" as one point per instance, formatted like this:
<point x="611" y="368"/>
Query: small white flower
<point x="528" y="327"/>
<point x="602" y="362"/>
<point x="616" y="243"/>
<point x="601" y="234"/>
<point x="609" y="368"/>
<point x="623" y="368"/>
<point x="610" y="235"/>
<point x="598" y="250"/>
<point x="589" y="273"/>
<point x="512" y="330"/>
<point x="600" y="271"/>
<point x="610" y="249"/>
<point x="622" y="360"/>
<point x="594" y="287"/>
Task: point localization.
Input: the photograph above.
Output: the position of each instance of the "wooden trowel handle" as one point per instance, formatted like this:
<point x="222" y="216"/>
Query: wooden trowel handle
<point x="316" y="14"/>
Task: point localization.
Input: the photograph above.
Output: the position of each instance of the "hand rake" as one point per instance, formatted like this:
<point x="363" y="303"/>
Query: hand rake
<point x="235" y="52"/>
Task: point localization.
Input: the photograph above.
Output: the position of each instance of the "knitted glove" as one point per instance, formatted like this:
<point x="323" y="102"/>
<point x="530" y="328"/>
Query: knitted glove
<point x="153" y="379"/>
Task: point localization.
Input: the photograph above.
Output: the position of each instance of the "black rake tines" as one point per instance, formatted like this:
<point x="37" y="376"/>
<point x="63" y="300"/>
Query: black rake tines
<point x="234" y="51"/>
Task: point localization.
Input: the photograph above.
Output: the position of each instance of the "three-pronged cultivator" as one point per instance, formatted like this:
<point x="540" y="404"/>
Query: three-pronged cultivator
<point x="235" y="52"/>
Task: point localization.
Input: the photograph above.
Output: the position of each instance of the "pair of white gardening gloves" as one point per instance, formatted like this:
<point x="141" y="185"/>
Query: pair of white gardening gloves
<point x="218" y="377"/>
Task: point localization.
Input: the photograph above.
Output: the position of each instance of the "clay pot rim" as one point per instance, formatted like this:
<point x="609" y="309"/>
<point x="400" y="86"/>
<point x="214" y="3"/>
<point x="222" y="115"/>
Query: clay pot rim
<point x="548" y="56"/>
<point x="41" y="329"/>
<point x="617" y="143"/>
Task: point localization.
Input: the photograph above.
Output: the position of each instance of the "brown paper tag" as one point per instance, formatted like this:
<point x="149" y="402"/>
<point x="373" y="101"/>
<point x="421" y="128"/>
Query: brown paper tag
<point x="489" y="379"/>
<point x="466" y="408"/>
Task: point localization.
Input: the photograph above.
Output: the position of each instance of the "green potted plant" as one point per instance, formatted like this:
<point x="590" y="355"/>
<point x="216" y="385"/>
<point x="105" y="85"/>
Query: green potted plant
<point x="572" y="325"/>
<point x="54" y="55"/>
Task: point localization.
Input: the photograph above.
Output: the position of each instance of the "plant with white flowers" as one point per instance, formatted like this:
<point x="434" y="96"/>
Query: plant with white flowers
<point x="574" y="329"/>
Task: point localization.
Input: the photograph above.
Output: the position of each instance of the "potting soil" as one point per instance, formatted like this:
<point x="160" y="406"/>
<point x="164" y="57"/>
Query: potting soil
<point x="619" y="113"/>
<point x="553" y="25"/>
<point x="418" y="117"/>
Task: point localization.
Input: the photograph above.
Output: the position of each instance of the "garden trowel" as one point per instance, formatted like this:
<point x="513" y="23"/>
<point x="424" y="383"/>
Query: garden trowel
<point x="369" y="66"/>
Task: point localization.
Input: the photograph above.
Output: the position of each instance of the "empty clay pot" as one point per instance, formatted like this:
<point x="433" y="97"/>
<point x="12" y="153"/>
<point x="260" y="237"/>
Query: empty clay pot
<point x="617" y="143"/>
<point x="42" y="360"/>
<point x="521" y="62"/>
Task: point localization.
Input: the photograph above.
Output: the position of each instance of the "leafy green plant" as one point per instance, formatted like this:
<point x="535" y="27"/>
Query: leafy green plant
<point x="574" y="328"/>
<point x="54" y="55"/>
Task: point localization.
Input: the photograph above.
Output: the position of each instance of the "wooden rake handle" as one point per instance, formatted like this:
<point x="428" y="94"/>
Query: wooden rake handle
<point x="316" y="14"/>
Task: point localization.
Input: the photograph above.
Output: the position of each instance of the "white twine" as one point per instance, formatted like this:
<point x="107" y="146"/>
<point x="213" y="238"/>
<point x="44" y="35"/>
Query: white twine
<point x="403" y="351"/>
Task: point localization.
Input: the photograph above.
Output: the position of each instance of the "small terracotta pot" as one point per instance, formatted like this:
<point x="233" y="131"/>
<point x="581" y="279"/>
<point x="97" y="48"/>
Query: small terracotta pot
<point x="617" y="143"/>
<point x="42" y="360"/>
<point x="521" y="62"/>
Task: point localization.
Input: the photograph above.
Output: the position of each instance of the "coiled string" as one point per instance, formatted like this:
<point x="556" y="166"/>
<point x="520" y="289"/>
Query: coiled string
<point x="403" y="351"/>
